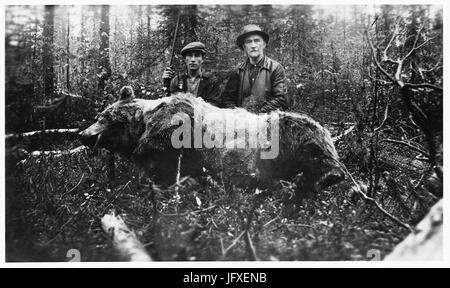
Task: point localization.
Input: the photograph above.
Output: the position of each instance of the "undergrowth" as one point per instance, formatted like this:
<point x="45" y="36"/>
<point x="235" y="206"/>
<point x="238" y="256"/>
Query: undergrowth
<point x="54" y="204"/>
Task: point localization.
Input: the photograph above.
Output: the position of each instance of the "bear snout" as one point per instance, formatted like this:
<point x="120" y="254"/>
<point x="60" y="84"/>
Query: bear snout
<point x="88" y="140"/>
<point x="89" y="137"/>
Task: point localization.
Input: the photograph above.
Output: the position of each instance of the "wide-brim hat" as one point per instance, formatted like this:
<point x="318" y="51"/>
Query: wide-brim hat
<point x="193" y="46"/>
<point x="248" y="30"/>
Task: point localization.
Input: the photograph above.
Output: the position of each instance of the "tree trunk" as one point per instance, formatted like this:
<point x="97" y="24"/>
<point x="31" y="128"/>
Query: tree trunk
<point x="68" y="53"/>
<point x="421" y="120"/>
<point x="148" y="50"/>
<point x="104" y="63"/>
<point x="373" y="159"/>
<point x="115" y="56"/>
<point x="192" y="25"/>
<point x="35" y="73"/>
<point x="47" y="50"/>
<point x="82" y="64"/>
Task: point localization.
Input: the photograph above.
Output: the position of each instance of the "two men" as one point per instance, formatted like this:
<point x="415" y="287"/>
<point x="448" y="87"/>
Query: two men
<point x="257" y="84"/>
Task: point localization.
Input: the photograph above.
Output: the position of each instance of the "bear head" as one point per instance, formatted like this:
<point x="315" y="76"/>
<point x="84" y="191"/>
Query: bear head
<point x="119" y="126"/>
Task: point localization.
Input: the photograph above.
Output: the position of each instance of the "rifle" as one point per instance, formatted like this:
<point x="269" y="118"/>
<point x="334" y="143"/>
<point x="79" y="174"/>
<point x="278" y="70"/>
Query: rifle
<point x="167" y="81"/>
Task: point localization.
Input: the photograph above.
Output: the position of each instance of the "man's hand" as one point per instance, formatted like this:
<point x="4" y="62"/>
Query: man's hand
<point x="168" y="74"/>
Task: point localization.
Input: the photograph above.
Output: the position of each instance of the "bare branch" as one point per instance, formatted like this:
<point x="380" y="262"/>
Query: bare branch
<point x="418" y="117"/>
<point x="232" y="244"/>
<point x="371" y="200"/>
<point x="384" y="119"/>
<point x="426" y="41"/>
<point x="414" y="48"/>
<point x="390" y="60"/>
<point x="435" y="67"/>
<point x="250" y="248"/>
<point x="374" y="55"/>
<point x="78" y="184"/>
<point x="415" y="43"/>
<point x="380" y="81"/>
<point x="177" y="179"/>
<point x="339" y="137"/>
<point x="424" y="85"/>
<point x="394" y="35"/>
<point x="271" y="221"/>
<point x="389" y="44"/>
<point x="118" y="194"/>
<point x="375" y="20"/>
<point x="397" y="78"/>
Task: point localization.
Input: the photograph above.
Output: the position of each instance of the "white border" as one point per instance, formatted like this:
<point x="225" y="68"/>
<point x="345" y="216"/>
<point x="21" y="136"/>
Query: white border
<point x="227" y="264"/>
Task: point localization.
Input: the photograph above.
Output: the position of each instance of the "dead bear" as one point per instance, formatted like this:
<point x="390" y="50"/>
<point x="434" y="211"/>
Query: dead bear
<point x="152" y="132"/>
<point x="120" y="126"/>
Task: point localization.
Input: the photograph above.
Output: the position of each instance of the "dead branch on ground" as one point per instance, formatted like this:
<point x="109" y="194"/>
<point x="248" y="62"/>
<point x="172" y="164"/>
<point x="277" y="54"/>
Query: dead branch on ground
<point x="124" y="239"/>
<point x="39" y="132"/>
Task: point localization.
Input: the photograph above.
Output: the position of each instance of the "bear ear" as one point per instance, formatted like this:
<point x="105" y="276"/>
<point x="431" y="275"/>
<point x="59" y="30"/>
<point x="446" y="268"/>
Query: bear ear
<point x="126" y="93"/>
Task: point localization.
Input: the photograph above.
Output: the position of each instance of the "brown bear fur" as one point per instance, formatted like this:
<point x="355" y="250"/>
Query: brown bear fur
<point x="142" y="129"/>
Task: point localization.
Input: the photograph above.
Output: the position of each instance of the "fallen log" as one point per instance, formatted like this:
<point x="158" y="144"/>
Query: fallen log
<point x="58" y="153"/>
<point x="48" y="131"/>
<point x="426" y="242"/>
<point x="54" y="153"/>
<point x="124" y="239"/>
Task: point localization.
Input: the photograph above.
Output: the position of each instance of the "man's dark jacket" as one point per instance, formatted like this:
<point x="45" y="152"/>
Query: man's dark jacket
<point x="267" y="93"/>
<point x="208" y="88"/>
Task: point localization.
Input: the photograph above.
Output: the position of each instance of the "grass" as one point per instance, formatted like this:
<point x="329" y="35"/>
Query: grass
<point x="54" y="204"/>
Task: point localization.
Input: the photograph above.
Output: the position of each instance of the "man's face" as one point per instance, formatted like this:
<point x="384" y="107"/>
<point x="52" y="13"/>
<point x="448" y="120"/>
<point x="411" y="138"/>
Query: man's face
<point x="193" y="60"/>
<point x="254" y="46"/>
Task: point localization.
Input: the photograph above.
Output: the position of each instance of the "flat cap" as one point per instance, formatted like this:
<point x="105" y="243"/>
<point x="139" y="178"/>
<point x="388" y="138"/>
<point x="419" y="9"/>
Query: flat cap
<point x="193" y="46"/>
<point x="248" y="30"/>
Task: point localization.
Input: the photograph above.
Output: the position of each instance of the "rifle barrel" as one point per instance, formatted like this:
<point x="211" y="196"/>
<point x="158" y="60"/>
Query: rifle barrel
<point x="174" y="40"/>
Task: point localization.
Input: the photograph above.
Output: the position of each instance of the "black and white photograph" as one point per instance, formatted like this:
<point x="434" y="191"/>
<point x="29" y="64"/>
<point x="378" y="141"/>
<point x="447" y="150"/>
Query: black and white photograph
<point x="202" y="132"/>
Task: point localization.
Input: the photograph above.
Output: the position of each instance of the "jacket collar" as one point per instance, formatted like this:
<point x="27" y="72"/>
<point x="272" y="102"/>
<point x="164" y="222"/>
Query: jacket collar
<point x="202" y="75"/>
<point x="265" y="64"/>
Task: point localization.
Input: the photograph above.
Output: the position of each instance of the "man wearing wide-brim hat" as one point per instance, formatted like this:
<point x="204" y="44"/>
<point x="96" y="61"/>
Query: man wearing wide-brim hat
<point x="258" y="84"/>
<point x="195" y="80"/>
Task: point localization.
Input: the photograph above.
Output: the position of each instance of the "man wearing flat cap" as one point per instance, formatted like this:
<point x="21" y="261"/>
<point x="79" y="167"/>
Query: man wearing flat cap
<point x="194" y="81"/>
<point x="258" y="84"/>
